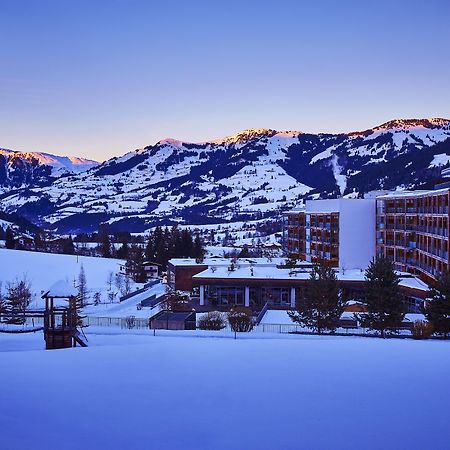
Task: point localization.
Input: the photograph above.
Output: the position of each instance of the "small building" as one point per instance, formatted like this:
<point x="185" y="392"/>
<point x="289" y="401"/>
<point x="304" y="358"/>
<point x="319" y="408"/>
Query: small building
<point x="24" y="242"/>
<point x="152" y="270"/>
<point x="174" y="320"/>
<point x="180" y="271"/>
<point x="280" y="288"/>
<point x="57" y="244"/>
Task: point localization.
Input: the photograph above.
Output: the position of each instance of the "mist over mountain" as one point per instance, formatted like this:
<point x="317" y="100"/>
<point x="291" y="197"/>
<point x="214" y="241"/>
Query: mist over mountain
<point x="255" y="174"/>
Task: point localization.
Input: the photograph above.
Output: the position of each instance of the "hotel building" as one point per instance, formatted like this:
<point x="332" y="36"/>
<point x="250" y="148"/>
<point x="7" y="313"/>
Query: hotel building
<point x="413" y="231"/>
<point x="410" y="228"/>
<point x="341" y="231"/>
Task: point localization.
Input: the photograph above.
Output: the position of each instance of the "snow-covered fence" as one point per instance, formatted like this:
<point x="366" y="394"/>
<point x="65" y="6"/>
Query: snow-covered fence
<point x="118" y="322"/>
<point x="134" y="323"/>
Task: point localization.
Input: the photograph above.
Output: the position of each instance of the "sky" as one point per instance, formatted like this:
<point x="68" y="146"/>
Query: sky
<point x="99" y="78"/>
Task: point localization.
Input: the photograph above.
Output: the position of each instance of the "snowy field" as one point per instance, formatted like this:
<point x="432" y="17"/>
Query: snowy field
<point x="44" y="269"/>
<point x="257" y="392"/>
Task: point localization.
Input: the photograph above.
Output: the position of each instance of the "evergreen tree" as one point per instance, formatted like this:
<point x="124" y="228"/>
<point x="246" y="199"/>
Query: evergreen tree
<point x="291" y="261"/>
<point x="17" y="300"/>
<point x="150" y="247"/>
<point x="244" y="253"/>
<point x="175" y="250"/>
<point x="68" y="247"/>
<point x="9" y="239"/>
<point x="384" y="303"/>
<point x="135" y="264"/>
<point x="122" y="252"/>
<point x="322" y="303"/>
<point x="105" y="242"/>
<point x="160" y="243"/>
<point x="82" y="288"/>
<point x="198" y="250"/>
<point x="437" y="309"/>
<point x="186" y="244"/>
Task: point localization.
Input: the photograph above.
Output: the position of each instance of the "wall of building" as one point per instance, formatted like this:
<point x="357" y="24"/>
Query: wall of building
<point x="356" y="232"/>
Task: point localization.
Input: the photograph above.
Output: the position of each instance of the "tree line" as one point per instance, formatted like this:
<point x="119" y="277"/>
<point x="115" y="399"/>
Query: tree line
<point x="161" y="245"/>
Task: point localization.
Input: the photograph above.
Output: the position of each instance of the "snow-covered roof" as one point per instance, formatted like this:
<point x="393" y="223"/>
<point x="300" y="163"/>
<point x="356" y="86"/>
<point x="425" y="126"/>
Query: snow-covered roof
<point x="414" y="283"/>
<point x="272" y="262"/>
<point x="62" y="289"/>
<point x="419" y="193"/>
<point x="275" y="273"/>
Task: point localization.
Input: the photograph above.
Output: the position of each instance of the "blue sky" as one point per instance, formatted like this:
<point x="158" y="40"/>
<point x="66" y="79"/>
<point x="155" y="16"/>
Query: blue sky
<point x="99" y="78"/>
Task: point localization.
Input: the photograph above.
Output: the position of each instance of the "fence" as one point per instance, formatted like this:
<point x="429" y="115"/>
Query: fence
<point x="125" y="323"/>
<point x="133" y="323"/>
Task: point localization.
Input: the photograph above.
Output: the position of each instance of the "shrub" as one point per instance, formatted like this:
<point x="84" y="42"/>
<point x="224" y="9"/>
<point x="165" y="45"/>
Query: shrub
<point x="130" y="322"/>
<point x="213" y="320"/>
<point x="240" y="319"/>
<point x="422" y="329"/>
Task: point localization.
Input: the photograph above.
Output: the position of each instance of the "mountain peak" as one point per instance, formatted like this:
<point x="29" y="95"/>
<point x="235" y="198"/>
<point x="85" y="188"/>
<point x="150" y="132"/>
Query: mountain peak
<point x="170" y="141"/>
<point x="433" y="122"/>
<point x="246" y="135"/>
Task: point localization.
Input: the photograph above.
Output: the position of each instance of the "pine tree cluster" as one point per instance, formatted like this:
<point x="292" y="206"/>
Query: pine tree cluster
<point x="166" y="243"/>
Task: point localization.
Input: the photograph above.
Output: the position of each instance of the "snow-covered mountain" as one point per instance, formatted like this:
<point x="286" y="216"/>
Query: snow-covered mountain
<point x="254" y="174"/>
<point x="29" y="169"/>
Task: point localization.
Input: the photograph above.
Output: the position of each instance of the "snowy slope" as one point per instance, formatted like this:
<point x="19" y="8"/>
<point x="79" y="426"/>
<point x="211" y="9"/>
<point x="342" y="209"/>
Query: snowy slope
<point x="255" y="174"/>
<point x="44" y="269"/>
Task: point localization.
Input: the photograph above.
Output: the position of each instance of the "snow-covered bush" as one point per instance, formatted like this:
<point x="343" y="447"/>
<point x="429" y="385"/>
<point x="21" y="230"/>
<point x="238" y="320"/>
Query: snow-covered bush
<point x="213" y="320"/>
<point x="130" y="322"/>
<point x="240" y="319"/>
<point x="421" y="329"/>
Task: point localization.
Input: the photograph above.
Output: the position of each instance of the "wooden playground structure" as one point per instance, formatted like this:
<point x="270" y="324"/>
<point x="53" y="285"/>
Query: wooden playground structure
<point x="62" y="325"/>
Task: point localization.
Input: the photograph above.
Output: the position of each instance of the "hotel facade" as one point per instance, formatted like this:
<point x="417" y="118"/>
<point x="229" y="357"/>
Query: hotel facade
<point x="413" y="231"/>
<point x="341" y="231"/>
<point x="410" y="228"/>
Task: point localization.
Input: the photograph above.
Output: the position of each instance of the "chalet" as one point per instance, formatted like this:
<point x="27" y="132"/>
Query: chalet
<point x="57" y="244"/>
<point x="24" y="242"/>
<point x="152" y="270"/>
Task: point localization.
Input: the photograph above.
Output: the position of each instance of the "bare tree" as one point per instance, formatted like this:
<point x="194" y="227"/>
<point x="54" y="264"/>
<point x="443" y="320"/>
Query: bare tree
<point x="82" y="287"/>
<point x="110" y="280"/>
<point x="118" y="281"/>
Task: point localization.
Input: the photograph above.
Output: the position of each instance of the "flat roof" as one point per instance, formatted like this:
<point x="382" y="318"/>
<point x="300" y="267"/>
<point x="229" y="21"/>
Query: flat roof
<point x="419" y="193"/>
<point x="277" y="274"/>
<point x="272" y="262"/>
<point x="173" y="315"/>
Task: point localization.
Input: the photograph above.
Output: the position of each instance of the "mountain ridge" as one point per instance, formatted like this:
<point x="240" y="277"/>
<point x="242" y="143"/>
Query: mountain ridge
<point x="255" y="174"/>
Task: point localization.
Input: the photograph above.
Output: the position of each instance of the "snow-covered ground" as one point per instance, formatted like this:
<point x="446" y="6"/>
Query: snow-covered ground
<point x="276" y="392"/>
<point x="280" y="317"/>
<point x="128" y="307"/>
<point x="44" y="269"/>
